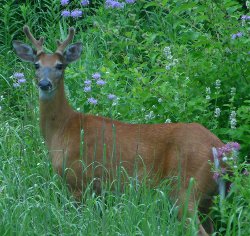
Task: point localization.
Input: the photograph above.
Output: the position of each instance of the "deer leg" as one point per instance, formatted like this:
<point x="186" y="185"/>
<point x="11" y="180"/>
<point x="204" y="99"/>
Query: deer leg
<point x="187" y="208"/>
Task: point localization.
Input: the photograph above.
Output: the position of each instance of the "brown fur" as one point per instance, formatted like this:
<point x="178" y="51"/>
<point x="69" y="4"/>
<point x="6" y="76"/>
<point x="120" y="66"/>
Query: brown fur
<point x="162" y="147"/>
<point x="160" y="150"/>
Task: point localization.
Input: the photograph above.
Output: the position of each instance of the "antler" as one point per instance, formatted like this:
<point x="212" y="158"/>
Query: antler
<point x="62" y="45"/>
<point x="38" y="44"/>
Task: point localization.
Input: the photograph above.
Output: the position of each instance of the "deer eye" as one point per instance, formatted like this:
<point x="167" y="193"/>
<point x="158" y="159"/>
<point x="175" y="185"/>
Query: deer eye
<point x="59" y="66"/>
<point x="37" y="66"/>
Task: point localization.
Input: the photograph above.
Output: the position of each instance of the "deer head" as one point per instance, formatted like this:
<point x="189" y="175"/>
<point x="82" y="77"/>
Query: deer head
<point x="49" y="67"/>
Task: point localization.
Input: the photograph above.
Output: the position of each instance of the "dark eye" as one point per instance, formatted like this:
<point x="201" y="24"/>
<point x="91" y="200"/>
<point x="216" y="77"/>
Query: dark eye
<point x="59" y="66"/>
<point x="37" y="66"/>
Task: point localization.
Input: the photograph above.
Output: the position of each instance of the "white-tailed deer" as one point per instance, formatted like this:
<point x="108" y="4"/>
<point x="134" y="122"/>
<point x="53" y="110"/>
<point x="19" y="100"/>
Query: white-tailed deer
<point x="78" y="141"/>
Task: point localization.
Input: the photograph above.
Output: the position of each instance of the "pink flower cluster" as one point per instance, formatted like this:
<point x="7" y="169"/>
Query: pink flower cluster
<point x="226" y="153"/>
<point x="228" y="149"/>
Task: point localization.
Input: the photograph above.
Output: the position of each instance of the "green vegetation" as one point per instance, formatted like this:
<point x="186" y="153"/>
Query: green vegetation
<point x="164" y="61"/>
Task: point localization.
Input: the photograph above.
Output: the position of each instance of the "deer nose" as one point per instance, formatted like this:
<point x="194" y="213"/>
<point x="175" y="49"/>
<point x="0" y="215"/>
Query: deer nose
<point x="44" y="84"/>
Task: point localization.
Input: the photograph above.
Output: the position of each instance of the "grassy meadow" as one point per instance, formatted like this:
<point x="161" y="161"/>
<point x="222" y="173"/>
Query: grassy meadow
<point x="159" y="62"/>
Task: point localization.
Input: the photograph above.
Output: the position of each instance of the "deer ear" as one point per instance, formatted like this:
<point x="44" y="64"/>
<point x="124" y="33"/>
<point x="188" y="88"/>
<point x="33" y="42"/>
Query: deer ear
<point x="24" y="51"/>
<point x="73" y="52"/>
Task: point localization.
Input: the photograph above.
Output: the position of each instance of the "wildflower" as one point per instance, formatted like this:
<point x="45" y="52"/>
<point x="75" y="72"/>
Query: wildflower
<point x="234" y="145"/>
<point x="168" y="67"/>
<point x="85" y="3"/>
<point x="246" y="173"/>
<point x="175" y="61"/>
<point x="237" y="35"/>
<point x="87" y="82"/>
<point x="224" y="159"/>
<point x="217" y="84"/>
<point x="232" y="120"/>
<point x="76" y="13"/>
<point x="150" y="115"/>
<point x="111" y="96"/>
<point x="130" y="1"/>
<point x="87" y="89"/>
<point x="245" y="17"/>
<point x="216" y="176"/>
<point x="114" y="4"/>
<point x="228" y="149"/>
<point x="21" y="80"/>
<point x="168" y="121"/>
<point x="223" y="170"/>
<point x="233" y="91"/>
<point x="217" y="112"/>
<point x="64" y="2"/>
<point x="160" y="100"/>
<point x="65" y="13"/>
<point x="18" y="75"/>
<point x="16" y="85"/>
<point x="167" y="51"/>
<point x="92" y="101"/>
<point x="100" y="82"/>
<point x="96" y="75"/>
<point x="208" y="90"/>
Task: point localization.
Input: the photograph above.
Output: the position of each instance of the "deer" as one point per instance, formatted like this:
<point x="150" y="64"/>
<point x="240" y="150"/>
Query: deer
<point x="76" y="141"/>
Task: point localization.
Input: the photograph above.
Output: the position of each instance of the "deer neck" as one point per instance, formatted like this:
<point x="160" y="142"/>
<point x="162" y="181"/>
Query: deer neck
<point x="54" y="113"/>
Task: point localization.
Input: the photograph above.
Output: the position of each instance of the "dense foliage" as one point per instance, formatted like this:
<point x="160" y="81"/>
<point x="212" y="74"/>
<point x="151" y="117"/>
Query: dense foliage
<point x="143" y="62"/>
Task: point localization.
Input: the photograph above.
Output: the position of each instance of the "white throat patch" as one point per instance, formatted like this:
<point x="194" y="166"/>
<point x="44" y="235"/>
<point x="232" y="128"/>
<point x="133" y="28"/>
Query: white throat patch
<point x="46" y="95"/>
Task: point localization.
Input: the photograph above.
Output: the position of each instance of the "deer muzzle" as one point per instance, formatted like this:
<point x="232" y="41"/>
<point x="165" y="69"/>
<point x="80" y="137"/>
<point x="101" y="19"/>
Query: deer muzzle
<point x="45" y="85"/>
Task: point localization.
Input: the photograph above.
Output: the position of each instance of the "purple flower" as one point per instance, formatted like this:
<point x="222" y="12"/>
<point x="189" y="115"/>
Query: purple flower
<point x="76" y="13"/>
<point x="16" y="85"/>
<point x="21" y="80"/>
<point x="111" y="96"/>
<point x="87" y="89"/>
<point x="96" y="75"/>
<point x="246" y="173"/>
<point x="245" y="17"/>
<point x="234" y="145"/>
<point x="130" y="1"/>
<point x="85" y="3"/>
<point x="216" y="176"/>
<point x="64" y="2"/>
<point x="114" y="4"/>
<point x="100" y="82"/>
<point x="223" y="170"/>
<point x="237" y="35"/>
<point x="18" y="75"/>
<point x="65" y="13"/>
<point x="92" y="101"/>
<point x="228" y="149"/>
<point x="87" y="82"/>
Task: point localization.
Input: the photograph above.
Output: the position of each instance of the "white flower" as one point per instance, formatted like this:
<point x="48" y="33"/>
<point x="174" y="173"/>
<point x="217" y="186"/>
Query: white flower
<point x="168" y="67"/>
<point x="233" y="91"/>
<point x="150" y="116"/>
<point x="217" y="112"/>
<point x="208" y="90"/>
<point x="160" y="100"/>
<point x="232" y="119"/>
<point x="217" y="84"/>
<point x="224" y="159"/>
<point x="168" y="121"/>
